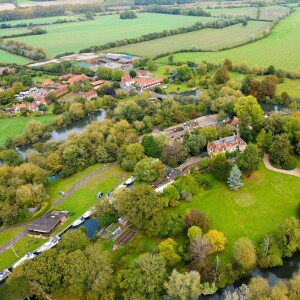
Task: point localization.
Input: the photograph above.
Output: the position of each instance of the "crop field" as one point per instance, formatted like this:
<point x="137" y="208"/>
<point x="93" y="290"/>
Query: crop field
<point x="281" y="48"/>
<point x="39" y="20"/>
<point x="6" y="57"/>
<point x="265" y="196"/>
<point x="68" y="37"/>
<point x="267" y="13"/>
<point x="15" y="126"/>
<point x="206" y="39"/>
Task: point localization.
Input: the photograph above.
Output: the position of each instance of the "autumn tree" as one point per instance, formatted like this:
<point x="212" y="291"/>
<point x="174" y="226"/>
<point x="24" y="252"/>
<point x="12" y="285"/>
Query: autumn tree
<point x="128" y="156"/>
<point x="244" y="253"/>
<point x="267" y="87"/>
<point x="168" y="250"/>
<point x="197" y="218"/>
<point x="144" y="279"/>
<point x="200" y="250"/>
<point x="183" y="286"/>
<point x="194" y="232"/>
<point x="217" y="240"/>
<point x="222" y="75"/>
<point x="174" y="154"/>
<point x="264" y="139"/>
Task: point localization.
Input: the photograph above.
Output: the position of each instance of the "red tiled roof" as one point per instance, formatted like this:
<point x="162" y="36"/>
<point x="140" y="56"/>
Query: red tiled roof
<point x="98" y="82"/>
<point x="47" y="82"/>
<point x="65" y="77"/>
<point x="78" y="78"/>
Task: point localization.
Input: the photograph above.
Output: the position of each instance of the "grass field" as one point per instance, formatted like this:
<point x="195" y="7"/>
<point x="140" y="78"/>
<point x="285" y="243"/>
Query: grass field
<point x="7" y="235"/>
<point x="76" y="36"/>
<point x="267" y="12"/>
<point x="264" y="202"/>
<point x="6" y="57"/>
<point x="15" y="126"/>
<point x="27" y="244"/>
<point x="206" y="39"/>
<point x="11" y="31"/>
<point x="85" y="197"/>
<point x="280" y="49"/>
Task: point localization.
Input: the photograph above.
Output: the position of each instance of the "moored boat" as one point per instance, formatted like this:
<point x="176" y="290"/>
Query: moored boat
<point x="78" y="222"/>
<point x="4" y="274"/>
<point x="88" y="213"/>
<point x="53" y="241"/>
<point x="27" y="256"/>
<point x="129" y="181"/>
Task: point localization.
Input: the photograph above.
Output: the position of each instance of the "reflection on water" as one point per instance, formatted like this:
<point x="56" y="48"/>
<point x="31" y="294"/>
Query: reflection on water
<point x="267" y="107"/>
<point x="91" y="225"/>
<point x="62" y="133"/>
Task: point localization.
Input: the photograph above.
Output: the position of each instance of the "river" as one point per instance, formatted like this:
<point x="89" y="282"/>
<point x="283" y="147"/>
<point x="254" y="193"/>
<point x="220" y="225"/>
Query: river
<point x="290" y="266"/>
<point x="62" y="133"/>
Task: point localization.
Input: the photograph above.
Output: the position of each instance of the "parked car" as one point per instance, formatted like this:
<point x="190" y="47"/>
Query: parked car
<point x="61" y="192"/>
<point x="99" y="195"/>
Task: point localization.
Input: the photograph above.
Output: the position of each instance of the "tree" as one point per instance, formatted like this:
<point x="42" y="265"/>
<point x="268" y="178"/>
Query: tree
<point x="294" y="287"/>
<point x="76" y="111"/>
<point x="183" y="286"/>
<point x="195" y="144"/>
<point x="220" y="167"/>
<point x="144" y="279"/>
<point x="168" y="250"/>
<point x="128" y="14"/>
<point x="149" y="170"/>
<point x="194" y="232"/>
<point x="34" y="131"/>
<point x="197" y="218"/>
<point x="267" y="87"/>
<point x="235" y="180"/>
<point x="151" y="65"/>
<point x="228" y="64"/>
<point x="104" y="73"/>
<point x="174" y="154"/>
<point x="200" y="250"/>
<point x="258" y="289"/>
<point x="222" y="75"/>
<point x="264" y="139"/>
<point x="116" y="75"/>
<point x="140" y="205"/>
<point x="280" y="152"/>
<point x="128" y="156"/>
<point x="249" y="160"/>
<point x="74" y="240"/>
<point x="132" y="73"/>
<point x="217" y="240"/>
<point x="184" y="73"/>
<point x="29" y="195"/>
<point x="171" y="59"/>
<point x="152" y="146"/>
<point x="11" y="157"/>
<point x="9" y="213"/>
<point x="244" y="253"/>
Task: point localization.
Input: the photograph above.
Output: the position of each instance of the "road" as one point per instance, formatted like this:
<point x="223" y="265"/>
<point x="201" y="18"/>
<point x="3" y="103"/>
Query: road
<point x="59" y="201"/>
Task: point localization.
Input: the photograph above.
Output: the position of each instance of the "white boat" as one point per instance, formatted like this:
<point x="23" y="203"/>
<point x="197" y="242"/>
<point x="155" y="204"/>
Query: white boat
<point x="4" y="274"/>
<point x="88" y="213"/>
<point x="130" y="180"/>
<point x="78" y="222"/>
<point x="28" y="256"/>
<point x="50" y="244"/>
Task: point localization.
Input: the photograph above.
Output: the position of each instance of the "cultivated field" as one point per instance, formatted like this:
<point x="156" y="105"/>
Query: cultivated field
<point x="206" y="39"/>
<point x="63" y="38"/>
<point x="280" y="49"/>
<point x="6" y="57"/>
<point x="265" y="196"/>
<point x="267" y="13"/>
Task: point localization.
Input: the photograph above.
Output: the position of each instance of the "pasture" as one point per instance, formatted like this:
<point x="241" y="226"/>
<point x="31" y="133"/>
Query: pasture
<point x="6" y="57"/>
<point x="11" y="31"/>
<point x="265" y="196"/>
<point x="266" y="13"/>
<point x="206" y="39"/>
<point x="69" y="37"/>
<point x="14" y="126"/>
<point x="281" y="48"/>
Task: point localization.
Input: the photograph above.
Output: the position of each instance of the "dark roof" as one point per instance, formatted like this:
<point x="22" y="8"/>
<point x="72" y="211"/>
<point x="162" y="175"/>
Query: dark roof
<point x="172" y="173"/>
<point x="46" y="222"/>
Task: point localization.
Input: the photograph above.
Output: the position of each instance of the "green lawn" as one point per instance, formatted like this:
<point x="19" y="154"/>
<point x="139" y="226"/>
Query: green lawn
<point x="7" y="235"/>
<point x="14" y="126"/>
<point x="85" y="197"/>
<point x="27" y="244"/>
<point x="6" y="57"/>
<point x="206" y="39"/>
<point x="11" y="31"/>
<point x="265" y="201"/>
<point x="76" y="36"/>
<point x="280" y="49"/>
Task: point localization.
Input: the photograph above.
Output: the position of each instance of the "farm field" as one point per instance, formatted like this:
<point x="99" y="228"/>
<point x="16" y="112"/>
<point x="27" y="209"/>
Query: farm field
<point x="63" y="38"/>
<point x="265" y="196"/>
<point x="206" y="39"/>
<point x="11" y="31"/>
<point x="15" y="126"/>
<point x="39" y="20"/>
<point x="267" y="13"/>
<point x="281" y="42"/>
<point x="6" y="57"/>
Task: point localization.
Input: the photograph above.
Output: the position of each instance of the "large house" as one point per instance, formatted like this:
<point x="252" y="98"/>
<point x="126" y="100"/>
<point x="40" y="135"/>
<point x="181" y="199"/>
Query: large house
<point x="230" y="144"/>
<point x="142" y="83"/>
